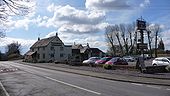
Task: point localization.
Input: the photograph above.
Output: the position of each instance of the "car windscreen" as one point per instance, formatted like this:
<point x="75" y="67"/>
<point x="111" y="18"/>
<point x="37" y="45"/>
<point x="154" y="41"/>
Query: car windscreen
<point x="168" y="58"/>
<point x="113" y="59"/>
<point x="94" y="58"/>
<point x="103" y="59"/>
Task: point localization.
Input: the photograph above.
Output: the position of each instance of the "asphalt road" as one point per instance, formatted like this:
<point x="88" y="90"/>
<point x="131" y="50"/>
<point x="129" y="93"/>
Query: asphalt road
<point x="24" y="80"/>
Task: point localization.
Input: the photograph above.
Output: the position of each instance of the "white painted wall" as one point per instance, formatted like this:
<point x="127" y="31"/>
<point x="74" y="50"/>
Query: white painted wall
<point x="67" y="51"/>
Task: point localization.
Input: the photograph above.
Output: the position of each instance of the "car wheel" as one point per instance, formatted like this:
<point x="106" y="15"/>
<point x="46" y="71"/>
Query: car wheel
<point x="154" y="64"/>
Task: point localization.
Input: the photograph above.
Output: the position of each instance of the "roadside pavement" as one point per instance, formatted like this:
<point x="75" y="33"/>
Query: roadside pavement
<point x="117" y="75"/>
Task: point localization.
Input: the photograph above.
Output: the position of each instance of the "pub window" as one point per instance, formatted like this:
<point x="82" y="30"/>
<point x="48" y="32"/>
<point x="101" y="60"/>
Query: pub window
<point x="43" y="56"/>
<point x="52" y="55"/>
<point x="61" y="48"/>
<point x="61" y="55"/>
<point x="52" y="48"/>
<point x="38" y="56"/>
<point x="43" y="48"/>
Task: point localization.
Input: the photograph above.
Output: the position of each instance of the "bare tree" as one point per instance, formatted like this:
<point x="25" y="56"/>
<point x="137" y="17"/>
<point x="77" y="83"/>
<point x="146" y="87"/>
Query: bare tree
<point x="117" y="34"/>
<point x="132" y="36"/>
<point x="13" y="7"/>
<point x="110" y="39"/>
<point x="121" y="33"/>
<point x="13" y="48"/>
<point x="155" y="29"/>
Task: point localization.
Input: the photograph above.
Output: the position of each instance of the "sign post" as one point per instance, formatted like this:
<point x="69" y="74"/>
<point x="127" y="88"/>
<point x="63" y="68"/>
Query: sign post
<point x="141" y="26"/>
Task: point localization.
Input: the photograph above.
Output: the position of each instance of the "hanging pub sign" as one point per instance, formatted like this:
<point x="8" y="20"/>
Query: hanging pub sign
<point x="142" y="46"/>
<point x="141" y="25"/>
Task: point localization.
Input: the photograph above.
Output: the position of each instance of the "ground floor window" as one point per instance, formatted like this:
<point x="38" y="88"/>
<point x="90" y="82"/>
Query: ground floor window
<point x="52" y="55"/>
<point x="38" y="56"/>
<point x="61" y="55"/>
<point x="43" y="56"/>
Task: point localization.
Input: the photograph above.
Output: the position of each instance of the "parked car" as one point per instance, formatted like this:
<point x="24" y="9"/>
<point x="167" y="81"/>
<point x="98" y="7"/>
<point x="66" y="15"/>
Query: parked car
<point x="117" y="61"/>
<point x="103" y="60"/>
<point x="161" y="61"/>
<point x="146" y="56"/>
<point x="91" y="60"/>
<point x="129" y="58"/>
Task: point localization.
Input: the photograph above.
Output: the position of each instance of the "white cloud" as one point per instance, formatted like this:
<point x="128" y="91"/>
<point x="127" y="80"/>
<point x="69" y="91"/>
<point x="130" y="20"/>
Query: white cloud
<point x="70" y="19"/>
<point x="107" y="5"/>
<point x="8" y="40"/>
<point x="21" y="23"/>
<point x="145" y="3"/>
<point x="51" y="34"/>
<point x="82" y="28"/>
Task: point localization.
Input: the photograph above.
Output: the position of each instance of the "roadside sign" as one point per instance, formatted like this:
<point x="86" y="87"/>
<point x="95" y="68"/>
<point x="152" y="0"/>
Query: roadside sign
<point x="142" y="46"/>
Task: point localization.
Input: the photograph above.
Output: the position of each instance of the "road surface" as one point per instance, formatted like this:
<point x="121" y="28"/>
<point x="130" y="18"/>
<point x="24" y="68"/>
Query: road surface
<point x="24" y="80"/>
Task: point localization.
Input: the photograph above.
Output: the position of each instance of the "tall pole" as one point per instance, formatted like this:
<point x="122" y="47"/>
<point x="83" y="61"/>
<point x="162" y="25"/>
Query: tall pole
<point x="141" y="26"/>
<point x="142" y="42"/>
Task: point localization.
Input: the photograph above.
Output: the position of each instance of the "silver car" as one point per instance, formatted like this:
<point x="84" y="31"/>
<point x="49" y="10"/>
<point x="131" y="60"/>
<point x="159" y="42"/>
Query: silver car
<point x="161" y="61"/>
<point x="129" y="58"/>
<point x="91" y="60"/>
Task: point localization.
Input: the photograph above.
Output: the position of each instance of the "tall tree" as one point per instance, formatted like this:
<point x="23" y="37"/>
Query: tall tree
<point x="121" y="33"/>
<point x="132" y="36"/>
<point x="13" y="48"/>
<point x="161" y="45"/>
<point x="110" y="39"/>
<point x="155" y="30"/>
<point x="117" y="34"/>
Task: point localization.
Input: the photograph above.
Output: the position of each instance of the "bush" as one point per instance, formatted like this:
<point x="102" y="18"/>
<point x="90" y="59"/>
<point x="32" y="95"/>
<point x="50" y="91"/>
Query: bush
<point x="107" y="66"/>
<point x="13" y="56"/>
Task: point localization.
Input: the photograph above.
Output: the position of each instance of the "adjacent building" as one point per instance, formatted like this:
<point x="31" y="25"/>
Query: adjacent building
<point x="49" y="50"/>
<point x="84" y="52"/>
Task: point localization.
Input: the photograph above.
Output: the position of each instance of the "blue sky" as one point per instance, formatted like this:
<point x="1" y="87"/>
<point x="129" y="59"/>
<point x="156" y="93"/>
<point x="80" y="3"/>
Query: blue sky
<point x="83" y="21"/>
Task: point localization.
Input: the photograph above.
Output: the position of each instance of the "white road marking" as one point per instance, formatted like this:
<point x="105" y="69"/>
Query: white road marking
<point x="151" y="86"/>
<point x="3" y="88"/>
<point x="73" y="85"/>
<point x="168" y="89"/>
<point x="137" y="84"/>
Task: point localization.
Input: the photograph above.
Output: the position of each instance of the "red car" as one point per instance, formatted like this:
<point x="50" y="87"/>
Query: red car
<point x="117" y="61"/>
<point x="103" y="60"/>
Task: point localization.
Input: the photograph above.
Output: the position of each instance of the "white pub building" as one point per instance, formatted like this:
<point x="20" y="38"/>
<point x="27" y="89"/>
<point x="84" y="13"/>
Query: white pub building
<point x="49" y="50"/>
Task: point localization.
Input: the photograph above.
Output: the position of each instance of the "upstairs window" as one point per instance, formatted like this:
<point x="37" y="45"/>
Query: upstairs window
<point x="52" y="48"/>
<point x="61" y="48"/>
<point x="43" y="48"/>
